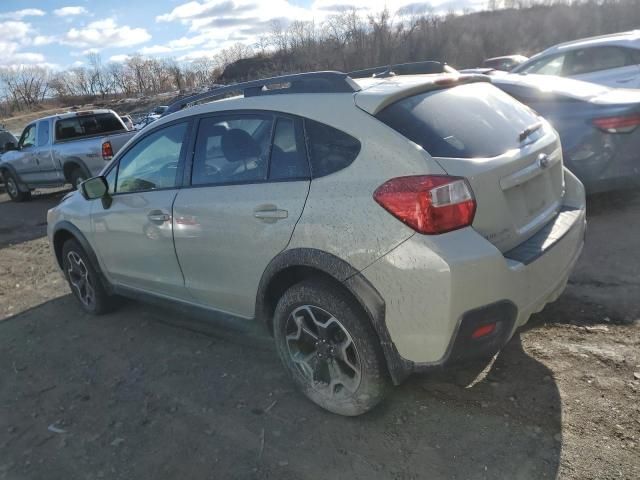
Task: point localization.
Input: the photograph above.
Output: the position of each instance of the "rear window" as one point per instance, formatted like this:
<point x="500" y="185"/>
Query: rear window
<point x="468" y="121"/>
<point x="88" y="125"/>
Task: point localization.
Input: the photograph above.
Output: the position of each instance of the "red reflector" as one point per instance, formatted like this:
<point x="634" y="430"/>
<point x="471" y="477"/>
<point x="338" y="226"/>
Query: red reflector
<point x="430" y="204"/>
<point x="484" y="330"/>
<point x="623" y="124"/>
<point x="107" y="151"/>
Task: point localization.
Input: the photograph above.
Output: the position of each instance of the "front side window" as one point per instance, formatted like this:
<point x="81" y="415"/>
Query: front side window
<point x="232" y="149"/>
<point x="43" y="133"/>
<point x="153" y="162"/>
<point x="28" y="138"/>
<point x="553" y="65"/>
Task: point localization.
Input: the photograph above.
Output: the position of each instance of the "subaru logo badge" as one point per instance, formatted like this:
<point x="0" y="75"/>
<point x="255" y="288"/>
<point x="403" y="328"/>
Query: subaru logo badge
<point x="543" y="161"/>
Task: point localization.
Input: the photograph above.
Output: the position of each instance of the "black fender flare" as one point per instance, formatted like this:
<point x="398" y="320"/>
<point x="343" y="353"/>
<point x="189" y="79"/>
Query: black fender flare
<point x="361" y="289"/>
<point x="77" y="235"/>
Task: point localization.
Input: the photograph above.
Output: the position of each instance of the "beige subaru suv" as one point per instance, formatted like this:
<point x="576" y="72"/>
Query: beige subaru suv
<point x="377" y="226"/>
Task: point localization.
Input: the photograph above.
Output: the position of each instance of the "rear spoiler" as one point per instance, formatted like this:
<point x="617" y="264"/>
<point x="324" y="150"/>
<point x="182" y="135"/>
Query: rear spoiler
<point x="372" y="100"/>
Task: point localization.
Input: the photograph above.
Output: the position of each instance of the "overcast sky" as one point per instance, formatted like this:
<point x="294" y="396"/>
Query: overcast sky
<point x="60" y="33"/>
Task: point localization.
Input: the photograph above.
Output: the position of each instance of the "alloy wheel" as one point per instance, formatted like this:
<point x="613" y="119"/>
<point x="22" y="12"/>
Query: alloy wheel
<point x="80" y="279"/>
<point x="323" y="351"/>
<point x="12" y="187"/>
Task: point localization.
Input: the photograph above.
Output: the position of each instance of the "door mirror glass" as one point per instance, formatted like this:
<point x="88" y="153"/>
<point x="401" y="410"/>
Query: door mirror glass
<point x="93" y="188"/>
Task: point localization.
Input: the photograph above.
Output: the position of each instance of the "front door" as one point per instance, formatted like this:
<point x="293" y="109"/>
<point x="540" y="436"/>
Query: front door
<point x="25" y="163"/>
<point x="249" y="183"/>
<point x="134" y="234"/>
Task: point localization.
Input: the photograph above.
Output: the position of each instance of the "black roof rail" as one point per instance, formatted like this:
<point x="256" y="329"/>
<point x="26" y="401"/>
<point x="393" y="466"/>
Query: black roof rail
<point x="412" y="68"/>
<point x="310" y="82"/>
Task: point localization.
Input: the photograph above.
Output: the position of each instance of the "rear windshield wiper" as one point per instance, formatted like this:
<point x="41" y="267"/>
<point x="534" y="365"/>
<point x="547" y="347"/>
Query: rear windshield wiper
<point x="526" y="133"/>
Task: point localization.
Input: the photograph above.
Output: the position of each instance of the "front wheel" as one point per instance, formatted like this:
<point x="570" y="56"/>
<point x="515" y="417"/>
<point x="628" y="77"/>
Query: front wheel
<point x="84" y="281"/>
<point x="329" y="347"/>
<point x="11" y="186"/>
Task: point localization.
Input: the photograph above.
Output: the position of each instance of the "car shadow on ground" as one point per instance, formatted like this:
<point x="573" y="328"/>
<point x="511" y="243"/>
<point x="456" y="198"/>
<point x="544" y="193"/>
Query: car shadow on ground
<point x="21" y="222"/>
<point x="148" y="392"/>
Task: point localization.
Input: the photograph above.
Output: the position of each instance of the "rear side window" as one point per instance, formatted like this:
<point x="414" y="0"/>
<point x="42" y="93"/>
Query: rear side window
<point x="288" y="158"/>
<point x="468" y="121"/>
<point x="87" y="125"/>
<point x="330" y="149"/>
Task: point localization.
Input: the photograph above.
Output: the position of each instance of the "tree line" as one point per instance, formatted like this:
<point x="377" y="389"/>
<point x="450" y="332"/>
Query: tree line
<point x="345" y="41"/>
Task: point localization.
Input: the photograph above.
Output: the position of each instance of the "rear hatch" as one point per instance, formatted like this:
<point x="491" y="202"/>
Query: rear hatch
<point x="511" y="157"/>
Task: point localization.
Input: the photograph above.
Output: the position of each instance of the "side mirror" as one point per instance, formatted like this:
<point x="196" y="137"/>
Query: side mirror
<point x="94" y="188"/>
<point x="9" y="146"/>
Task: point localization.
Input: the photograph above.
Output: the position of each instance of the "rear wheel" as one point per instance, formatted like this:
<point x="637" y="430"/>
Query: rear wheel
<point x="11" y="185"/>
<point x="76" y="177"/>
<point x="329" y="347"/>
<point x="84" y="281"/>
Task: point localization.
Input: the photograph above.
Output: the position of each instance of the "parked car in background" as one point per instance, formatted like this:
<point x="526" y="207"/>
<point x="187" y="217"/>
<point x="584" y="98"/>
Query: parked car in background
<point x="126" y="119"/>
<point x="6" y="139"/>
<point x="157" y="112"/>
<point x="61" y="149"/>
<point x="611" y="60"/>
<point x="505" y="63"/>
<point x="378" y="226"/>
<point x="599" y="127"/>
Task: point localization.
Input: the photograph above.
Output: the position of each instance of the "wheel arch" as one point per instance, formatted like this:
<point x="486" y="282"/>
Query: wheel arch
<point x="70" y="164"/>
<point x="65" y="231"/>
<point x="7" y="167"/>
<point x="295" y="265"/>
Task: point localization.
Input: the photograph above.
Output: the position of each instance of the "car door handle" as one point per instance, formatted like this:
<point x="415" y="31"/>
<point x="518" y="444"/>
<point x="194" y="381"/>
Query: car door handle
<point x="158" y="217"/>
<point x="270" y="213"/>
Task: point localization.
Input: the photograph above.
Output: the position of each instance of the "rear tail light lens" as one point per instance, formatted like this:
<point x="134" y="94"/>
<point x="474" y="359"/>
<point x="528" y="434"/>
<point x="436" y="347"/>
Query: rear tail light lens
<point x="429" y="204"/>
<point x="107" y="151"/>
<point x="622" y="124"/>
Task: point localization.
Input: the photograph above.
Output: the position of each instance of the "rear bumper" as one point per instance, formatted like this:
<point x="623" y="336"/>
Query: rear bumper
<point x="437" y="288"/>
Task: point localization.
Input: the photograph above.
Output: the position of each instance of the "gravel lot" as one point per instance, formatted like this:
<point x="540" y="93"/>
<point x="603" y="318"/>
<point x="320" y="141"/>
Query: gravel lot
<point x="151" y="393"/>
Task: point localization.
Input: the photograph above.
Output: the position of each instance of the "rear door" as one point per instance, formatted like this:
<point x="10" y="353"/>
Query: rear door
<point x="134" y="234"/>
<point x="474" y="131"/>
<point x="249" y="183"/>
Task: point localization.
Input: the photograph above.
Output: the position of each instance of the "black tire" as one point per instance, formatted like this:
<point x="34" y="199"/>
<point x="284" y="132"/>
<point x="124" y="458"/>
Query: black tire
<point x="76" y="263"/>
<point x="12" y="189"/>
<point x="348" y="326"/>
<point x="76" y="177"/>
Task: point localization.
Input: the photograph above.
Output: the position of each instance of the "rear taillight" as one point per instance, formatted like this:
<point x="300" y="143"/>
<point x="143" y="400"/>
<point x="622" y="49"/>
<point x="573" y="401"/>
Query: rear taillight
<point x="621" y="124"/>
<point x="107" y="151"/>
<point x="429" y="204"/>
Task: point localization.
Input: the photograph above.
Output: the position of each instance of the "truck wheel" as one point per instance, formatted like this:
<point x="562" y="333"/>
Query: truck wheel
<point x="84" y="281"/>
<point x="77" y="177"/>
<point x="11" y="185"/>
<point x="330" y="349"/>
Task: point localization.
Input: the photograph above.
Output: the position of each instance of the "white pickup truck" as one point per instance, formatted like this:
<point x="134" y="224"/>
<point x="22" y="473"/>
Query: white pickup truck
<point x="61" y="149"/>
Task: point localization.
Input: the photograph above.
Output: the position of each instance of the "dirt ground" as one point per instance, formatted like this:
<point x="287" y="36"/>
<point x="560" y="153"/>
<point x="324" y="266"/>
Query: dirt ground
<point x="151" y="393"/>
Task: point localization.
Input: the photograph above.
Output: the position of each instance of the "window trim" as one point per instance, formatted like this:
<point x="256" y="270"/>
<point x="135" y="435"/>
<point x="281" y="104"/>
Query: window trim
<point x="186" y="144"/>
<point x="188" y="170"/>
